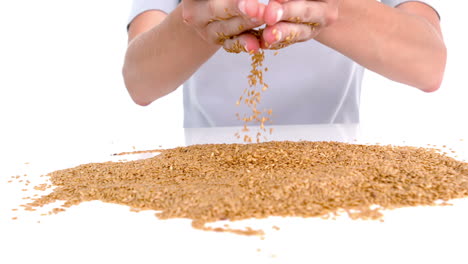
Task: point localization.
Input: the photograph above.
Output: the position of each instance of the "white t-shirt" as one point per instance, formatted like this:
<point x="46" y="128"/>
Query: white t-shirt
<point x="309" y="83"/>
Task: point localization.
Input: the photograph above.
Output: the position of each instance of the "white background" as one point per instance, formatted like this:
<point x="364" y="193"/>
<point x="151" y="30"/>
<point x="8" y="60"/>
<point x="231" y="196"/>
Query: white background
<point x="60" y="76"/>
<point x="61" y="92"/>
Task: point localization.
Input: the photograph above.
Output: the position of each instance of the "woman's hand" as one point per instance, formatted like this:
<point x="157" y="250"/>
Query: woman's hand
<point x="291" y="21"/>
<point x="225" y="22"/>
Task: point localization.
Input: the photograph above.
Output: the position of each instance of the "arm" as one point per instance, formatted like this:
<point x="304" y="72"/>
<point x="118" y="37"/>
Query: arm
<point x="403" y="44"/>
<point x="162" y="53"/>
<point x="165" y="50"/>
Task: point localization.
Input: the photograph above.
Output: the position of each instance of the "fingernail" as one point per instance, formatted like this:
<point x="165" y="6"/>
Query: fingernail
<point x="278" y="35"/>
<point x="274" y="32"/>
<point x="241" y="7"/>
<point x="279" y="15"/>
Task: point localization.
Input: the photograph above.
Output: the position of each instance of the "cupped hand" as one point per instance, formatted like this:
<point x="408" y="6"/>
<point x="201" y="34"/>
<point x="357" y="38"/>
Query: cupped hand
<point x="226" y="22"/>
<point x="291" y="21"/>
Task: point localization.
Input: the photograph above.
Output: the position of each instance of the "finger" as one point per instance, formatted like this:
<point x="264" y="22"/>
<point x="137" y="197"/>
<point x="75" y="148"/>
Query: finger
<point x="296" y="11"/>
<point x="261" y="11"/>
<point x="249" y="8"/>
<point x="273" y="13"/>
<point x="220" y="31"/>
<point x="284" y="34"/>
<point x="245" y="42"/>
<point x="200" y="13"/>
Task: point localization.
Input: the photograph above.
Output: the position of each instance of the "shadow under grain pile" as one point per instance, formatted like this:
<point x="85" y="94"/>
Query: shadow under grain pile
<point x="207" y="183"/>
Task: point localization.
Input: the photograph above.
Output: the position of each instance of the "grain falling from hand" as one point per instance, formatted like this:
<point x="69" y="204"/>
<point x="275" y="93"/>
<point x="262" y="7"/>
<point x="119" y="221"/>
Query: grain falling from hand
<point x="252" y="97"/>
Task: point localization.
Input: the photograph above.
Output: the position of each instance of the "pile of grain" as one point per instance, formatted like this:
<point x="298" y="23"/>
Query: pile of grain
<point x="207" y="183"/>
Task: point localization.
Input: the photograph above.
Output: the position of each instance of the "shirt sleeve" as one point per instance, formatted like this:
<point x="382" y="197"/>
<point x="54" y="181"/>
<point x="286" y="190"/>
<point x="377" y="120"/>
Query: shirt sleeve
<point x="431" y="3"/>
<point x="140" y="6"/>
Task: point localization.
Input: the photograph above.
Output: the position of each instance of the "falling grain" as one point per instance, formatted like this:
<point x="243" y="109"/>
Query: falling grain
<point x="252" y="97"/>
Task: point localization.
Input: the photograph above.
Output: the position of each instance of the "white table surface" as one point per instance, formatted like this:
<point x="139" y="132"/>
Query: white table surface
<point x="95" y="232"/>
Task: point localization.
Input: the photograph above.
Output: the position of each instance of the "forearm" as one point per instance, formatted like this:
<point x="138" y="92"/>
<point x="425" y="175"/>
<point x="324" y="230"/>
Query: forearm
<point x="400" y="46"/>
<point x="161" y="59"/>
